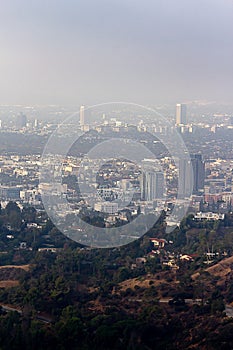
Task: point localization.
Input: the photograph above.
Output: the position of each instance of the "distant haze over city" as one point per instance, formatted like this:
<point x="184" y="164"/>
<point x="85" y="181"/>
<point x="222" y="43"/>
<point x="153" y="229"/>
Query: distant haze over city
<point x="155" y="52"/>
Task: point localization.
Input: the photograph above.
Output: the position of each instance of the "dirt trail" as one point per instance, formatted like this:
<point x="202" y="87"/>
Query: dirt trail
<point x="23" y="267"/>
<point x="9" y="284"/>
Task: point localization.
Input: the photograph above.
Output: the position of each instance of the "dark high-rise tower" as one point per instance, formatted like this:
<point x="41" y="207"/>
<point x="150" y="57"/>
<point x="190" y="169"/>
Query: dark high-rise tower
<point x="198" y="173"/>
<point x="21" y="121"/>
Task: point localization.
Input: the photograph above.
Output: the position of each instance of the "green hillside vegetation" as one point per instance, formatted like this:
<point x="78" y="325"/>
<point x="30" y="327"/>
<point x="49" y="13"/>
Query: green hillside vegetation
<point x="80" y="298"/>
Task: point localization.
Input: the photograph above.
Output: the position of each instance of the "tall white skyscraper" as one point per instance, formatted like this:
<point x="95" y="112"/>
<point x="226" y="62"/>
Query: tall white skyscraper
<point x="192" y="175"/>
<point x="82" y="116"/>
<point x="181" y="114"/>
<point x="185" y="177"/>
<point x="152" y="185"/>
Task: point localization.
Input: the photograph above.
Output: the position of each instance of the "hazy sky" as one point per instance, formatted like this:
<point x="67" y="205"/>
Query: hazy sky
<point x="82" y="51"/>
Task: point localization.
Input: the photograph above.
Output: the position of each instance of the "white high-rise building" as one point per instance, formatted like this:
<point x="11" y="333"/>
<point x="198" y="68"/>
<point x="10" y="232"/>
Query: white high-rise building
<point x="181" y="114"/>
<point x="82" y="116"/>
<point x="152" y="185"/>
<point x="192" y="175"/>
<point x="185" y="177"/>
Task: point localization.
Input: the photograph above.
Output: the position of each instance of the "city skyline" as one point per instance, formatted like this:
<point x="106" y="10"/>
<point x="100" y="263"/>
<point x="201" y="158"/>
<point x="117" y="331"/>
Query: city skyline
<point x="116" y="174"/>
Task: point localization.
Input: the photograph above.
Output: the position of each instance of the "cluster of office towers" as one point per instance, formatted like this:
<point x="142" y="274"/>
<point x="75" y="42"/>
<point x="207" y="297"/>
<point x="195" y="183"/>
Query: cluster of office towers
<point x="191" y="171"/>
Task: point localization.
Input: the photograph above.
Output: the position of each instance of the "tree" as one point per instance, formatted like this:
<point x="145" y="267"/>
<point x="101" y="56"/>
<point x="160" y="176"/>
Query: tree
<point x="29" y="214"/>
<point x="70" y="329"/>
<point x="13" y="215"/>
<point x="12" y="207"/>
<point x="216" y="302"/>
